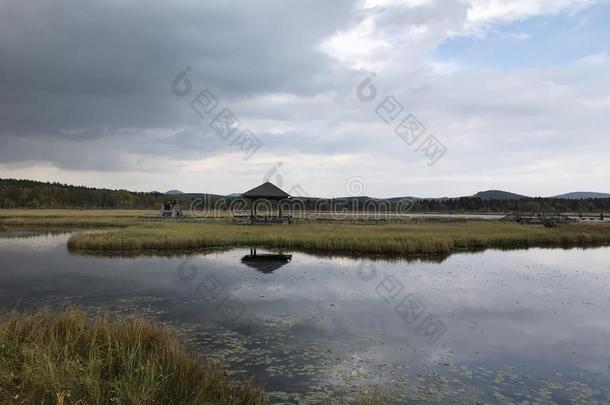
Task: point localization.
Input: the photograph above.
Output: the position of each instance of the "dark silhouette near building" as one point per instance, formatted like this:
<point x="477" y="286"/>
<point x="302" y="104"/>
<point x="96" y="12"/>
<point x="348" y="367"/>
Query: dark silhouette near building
<point x="265" y="262"/>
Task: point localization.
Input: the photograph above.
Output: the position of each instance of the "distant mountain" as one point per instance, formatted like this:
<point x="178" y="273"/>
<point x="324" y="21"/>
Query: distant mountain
<point x="15" y="193"/>
<point x="582" y="195"/>
<point x="485" y="195"/>
<point x="498" y="195"/>
<point x="395" y="199"/>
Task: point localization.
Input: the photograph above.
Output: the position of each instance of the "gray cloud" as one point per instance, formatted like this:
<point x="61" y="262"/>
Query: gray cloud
<point x="85" y="90"/>
<point x="74" y="65"/>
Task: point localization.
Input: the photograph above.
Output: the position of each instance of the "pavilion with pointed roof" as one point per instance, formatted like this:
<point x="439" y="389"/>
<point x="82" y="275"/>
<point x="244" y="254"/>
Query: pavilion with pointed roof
<point x="267" y="193"/>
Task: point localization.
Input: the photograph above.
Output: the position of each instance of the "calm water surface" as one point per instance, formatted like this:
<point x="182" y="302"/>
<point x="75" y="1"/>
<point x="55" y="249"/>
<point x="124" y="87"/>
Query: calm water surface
<point x="496" y="327"/>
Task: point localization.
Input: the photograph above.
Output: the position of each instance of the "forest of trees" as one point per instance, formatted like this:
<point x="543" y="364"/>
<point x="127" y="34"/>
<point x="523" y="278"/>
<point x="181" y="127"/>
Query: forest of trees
<point x="536" y="205"/>
<point x="469" y="204"/>
<point x="35" y="194"/>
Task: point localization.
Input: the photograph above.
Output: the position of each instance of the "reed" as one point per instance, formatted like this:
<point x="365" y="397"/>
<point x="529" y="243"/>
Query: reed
<point x="64" y="218"/>
<point x="73" y="213"/>
<point x="68" y="358"/>
<point x="390" y="239"/>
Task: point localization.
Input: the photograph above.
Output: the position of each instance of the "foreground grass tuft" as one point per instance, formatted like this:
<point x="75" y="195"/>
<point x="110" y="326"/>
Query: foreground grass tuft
<point x="389" y="239"/>
<point x="66" y="358"/>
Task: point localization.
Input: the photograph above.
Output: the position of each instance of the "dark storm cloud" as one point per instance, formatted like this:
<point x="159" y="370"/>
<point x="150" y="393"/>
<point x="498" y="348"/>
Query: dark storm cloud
<point x="90" y="67"/>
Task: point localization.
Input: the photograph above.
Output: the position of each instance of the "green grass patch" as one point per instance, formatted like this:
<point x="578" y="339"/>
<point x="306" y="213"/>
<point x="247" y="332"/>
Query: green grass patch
<point x="390" y="239"/>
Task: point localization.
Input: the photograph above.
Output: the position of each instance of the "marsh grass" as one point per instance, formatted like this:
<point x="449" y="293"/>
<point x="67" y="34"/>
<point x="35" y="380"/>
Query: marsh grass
<point x="67" y="358"/>
<point x="390" y="239"/>
<point x="64" y="218"/>
<point x="73" y="213"/>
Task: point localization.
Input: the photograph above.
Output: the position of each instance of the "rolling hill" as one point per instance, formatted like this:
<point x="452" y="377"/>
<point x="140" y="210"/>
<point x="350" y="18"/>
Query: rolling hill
<point x="499" y="195"/>
<point x="582" y="195"/>
<point x="15" y="193"/>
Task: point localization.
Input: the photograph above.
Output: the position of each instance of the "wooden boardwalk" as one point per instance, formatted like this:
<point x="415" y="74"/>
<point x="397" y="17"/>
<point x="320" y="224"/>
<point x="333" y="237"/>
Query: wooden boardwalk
<point x="538" y="218"/>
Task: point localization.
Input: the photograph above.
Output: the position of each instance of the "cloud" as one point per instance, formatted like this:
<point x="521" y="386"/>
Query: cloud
<point x="492" y="11"/>
<point x="109" y="64"/>
<point x="86" y="94"/>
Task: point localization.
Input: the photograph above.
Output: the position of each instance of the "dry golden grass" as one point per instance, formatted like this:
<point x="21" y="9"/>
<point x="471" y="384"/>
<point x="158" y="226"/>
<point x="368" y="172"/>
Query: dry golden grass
<point x="392" y="239"/>
<point x="75" y="213"/>
<point x="73" y="218"/>
<point x="66" y="358"/>
<point x="138" y="233"/>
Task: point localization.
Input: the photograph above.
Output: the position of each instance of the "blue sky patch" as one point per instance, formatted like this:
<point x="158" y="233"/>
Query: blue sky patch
<point x="534" y="42"/>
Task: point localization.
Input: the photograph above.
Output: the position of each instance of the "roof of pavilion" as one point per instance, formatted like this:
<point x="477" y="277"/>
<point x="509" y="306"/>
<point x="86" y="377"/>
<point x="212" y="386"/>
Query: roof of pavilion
<point x="266" y="190"/>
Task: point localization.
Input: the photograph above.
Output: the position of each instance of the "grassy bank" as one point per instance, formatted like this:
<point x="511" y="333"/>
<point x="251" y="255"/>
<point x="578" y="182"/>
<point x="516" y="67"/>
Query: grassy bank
<point x="72" y="218"/>
<point x="393" y="239"/>
<point x="66" y="358"/>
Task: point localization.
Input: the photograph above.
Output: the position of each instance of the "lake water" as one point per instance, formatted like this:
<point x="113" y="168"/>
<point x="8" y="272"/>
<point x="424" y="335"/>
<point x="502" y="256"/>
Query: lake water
<point x="496" y="326"/>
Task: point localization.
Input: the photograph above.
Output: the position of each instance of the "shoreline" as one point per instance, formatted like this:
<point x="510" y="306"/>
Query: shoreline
<point x="372" y="241"/>
<point x="409" y="258"/>
<point x="69" y="356"/>
<point x="120" y="359"/>
<point x="132" y="232"/>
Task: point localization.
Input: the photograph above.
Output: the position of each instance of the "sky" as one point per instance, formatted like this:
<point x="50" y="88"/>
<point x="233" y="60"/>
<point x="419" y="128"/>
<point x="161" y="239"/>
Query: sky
<point x="426" y="98"/>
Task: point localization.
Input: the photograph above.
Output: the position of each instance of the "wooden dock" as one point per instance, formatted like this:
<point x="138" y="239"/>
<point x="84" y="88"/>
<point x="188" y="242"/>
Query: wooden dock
<point x="263" y="219"/>
<point x="530" y="218"/>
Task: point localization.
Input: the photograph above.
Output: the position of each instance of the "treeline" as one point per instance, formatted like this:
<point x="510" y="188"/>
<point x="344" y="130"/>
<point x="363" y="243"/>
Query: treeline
<point x="463" y="205"/>
<point x="35" y="194"/>
<point x="535" y="205"/>
<point x="406" y="205"/>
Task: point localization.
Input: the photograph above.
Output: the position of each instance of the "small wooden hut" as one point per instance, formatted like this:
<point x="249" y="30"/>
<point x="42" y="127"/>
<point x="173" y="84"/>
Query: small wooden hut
<point x="273" y="197"/>
<point x="170" y="210"/>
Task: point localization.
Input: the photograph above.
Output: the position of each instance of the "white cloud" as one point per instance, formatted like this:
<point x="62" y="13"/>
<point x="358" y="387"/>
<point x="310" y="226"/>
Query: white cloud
<point x="490" y="11"/>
